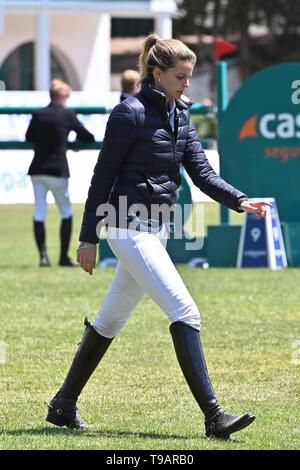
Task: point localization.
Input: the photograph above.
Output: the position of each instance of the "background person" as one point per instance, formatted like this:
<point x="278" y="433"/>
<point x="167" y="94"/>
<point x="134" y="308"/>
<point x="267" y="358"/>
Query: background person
<point x="48" y="131"/>
<point x="147" y="137"/>
<point x="130" y="82"/>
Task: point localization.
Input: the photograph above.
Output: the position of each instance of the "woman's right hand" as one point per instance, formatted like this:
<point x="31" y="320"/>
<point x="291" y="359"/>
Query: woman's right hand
<point x="86" y="257"/>
<point x="259" y="208"/>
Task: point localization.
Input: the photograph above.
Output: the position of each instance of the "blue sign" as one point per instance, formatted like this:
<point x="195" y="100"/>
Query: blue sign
<point x="261" y="242"/>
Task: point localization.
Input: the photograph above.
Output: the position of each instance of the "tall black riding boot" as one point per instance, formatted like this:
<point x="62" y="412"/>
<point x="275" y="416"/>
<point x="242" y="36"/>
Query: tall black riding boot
<point x="190" y="356"/>
<point x="62" y="410"/>
<point x="65" y="238"/>
<point x="40" y="239"/>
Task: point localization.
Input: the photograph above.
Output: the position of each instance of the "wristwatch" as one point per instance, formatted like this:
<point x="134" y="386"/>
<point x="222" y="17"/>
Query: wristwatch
<point x="240" y="201"/>
<point x="85" y="245"/>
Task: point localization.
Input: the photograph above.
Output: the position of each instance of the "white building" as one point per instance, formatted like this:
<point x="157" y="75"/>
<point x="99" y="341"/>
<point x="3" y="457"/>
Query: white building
<point x="70" y="37"/>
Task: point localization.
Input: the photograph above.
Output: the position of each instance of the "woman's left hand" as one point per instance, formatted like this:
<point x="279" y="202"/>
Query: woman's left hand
<point x="86" y="257"/>
<point x="257" y="208"/>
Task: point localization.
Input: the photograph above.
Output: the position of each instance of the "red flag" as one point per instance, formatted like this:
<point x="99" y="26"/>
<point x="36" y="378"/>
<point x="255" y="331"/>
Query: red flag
<point x="223" y="48"/>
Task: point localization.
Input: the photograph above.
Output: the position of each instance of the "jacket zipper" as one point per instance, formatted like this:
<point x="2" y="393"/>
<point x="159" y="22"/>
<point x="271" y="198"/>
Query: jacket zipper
<point x="171" y="133"/>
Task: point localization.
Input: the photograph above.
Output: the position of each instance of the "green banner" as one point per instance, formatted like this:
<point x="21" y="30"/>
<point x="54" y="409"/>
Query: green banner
<point x="259" y="138"/>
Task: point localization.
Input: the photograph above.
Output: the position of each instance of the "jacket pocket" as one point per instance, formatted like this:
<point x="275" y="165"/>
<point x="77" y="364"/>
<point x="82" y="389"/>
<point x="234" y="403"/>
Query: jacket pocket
<point x="160" y="184"/>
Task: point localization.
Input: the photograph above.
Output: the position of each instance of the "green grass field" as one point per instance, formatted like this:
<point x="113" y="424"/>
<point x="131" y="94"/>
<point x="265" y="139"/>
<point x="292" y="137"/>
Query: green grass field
<point x="137" y="398"/>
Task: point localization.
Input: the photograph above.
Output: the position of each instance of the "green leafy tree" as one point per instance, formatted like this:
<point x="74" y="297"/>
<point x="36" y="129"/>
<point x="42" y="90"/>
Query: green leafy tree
<point x="234" y="17"/>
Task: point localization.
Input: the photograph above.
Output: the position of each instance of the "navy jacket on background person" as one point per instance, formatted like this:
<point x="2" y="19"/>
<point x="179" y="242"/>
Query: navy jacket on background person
<point x="48" y="131"/>
<point x="141" y="156"/>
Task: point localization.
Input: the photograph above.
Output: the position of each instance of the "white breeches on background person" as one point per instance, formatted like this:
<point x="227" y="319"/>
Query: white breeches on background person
<point x="144" y="266"/>
<point x="59" y="188"/>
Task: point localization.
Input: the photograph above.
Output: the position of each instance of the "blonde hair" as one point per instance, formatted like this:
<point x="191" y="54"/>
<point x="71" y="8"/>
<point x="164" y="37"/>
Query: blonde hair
<point x="59" y="89"/>
<point x="129" y="79"/>
<point x="162" y="53"/>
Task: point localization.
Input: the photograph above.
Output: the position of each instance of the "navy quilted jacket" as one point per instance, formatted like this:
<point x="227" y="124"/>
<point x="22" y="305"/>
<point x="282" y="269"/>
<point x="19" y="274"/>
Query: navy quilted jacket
<point x="141" y="156"/>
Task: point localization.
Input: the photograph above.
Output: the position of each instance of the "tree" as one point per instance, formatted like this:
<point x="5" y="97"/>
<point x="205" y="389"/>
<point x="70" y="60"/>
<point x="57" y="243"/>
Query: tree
<point x="234" y="17"/>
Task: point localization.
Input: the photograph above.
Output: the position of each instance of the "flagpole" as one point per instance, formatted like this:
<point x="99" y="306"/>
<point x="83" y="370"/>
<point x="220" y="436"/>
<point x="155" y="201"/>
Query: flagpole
<point x="222" y="100"/>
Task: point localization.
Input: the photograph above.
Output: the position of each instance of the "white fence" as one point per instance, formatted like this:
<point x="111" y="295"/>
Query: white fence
<point x="15" y="185"/>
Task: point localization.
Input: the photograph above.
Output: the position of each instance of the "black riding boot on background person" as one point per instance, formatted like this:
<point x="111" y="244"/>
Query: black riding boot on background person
<point x="218" y="423"/>
<point x="65" y="238"/>
<point x="40" y="239"/>
<point x="62" y="410"/>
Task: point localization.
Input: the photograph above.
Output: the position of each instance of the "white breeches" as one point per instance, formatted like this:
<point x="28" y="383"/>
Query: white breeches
<point x="144" y="267"/>
<point x="59" y="188"/>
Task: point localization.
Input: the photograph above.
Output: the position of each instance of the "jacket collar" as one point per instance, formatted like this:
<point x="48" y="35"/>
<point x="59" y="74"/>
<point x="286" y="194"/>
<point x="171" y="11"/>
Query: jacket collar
<point x="159" y="99"/>
<point x="54" y="104"/>
<point x="183" y="103"/>
<point x="124" y="96"/>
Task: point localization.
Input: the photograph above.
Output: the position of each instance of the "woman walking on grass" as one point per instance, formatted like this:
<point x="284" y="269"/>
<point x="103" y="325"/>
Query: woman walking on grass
<point x="148" y="137"/>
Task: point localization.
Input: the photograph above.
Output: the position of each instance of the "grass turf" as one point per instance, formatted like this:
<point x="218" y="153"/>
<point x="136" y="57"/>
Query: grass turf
<point x="137" y="398"/>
